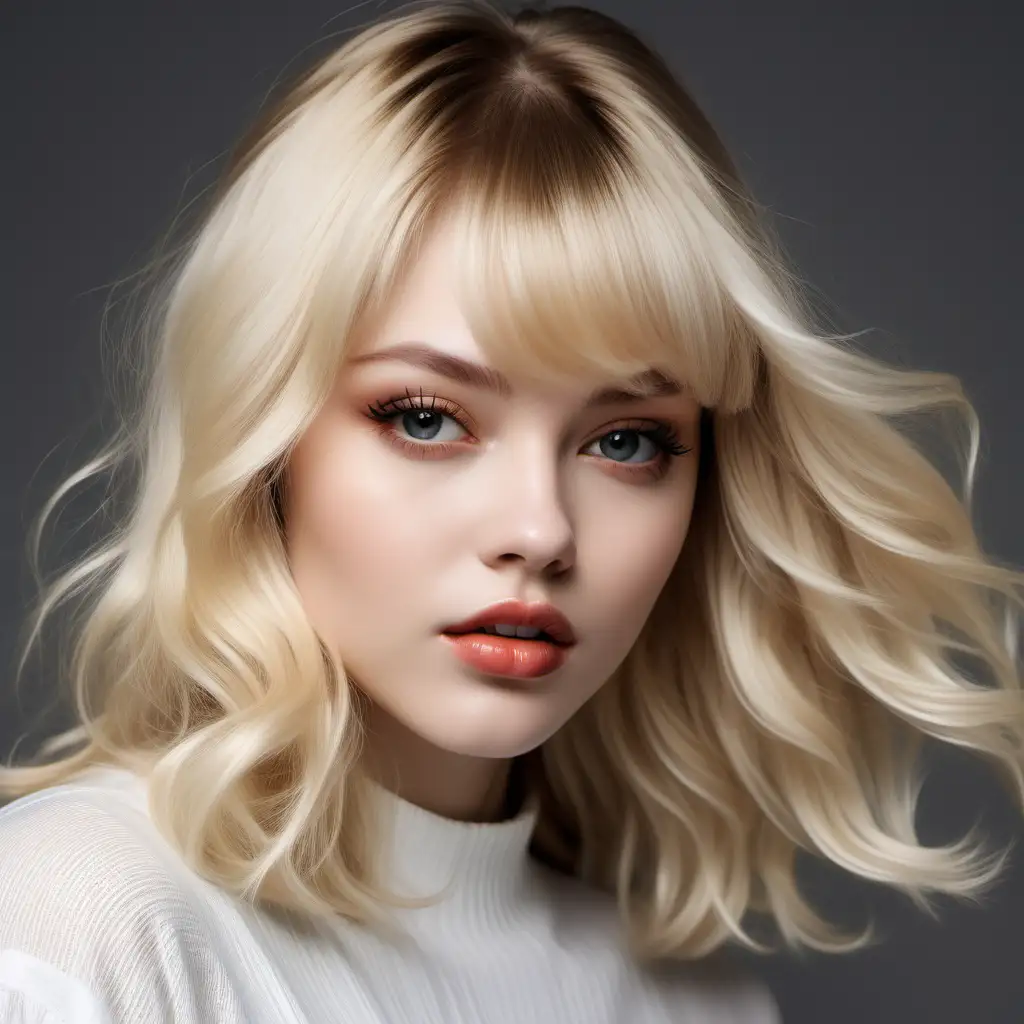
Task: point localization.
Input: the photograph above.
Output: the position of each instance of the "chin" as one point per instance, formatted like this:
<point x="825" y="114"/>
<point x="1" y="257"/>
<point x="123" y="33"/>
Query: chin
<point x="474" y="729"/>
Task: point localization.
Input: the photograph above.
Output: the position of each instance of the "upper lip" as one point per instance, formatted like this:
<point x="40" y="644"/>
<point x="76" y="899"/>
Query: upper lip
<point x="514" y="613"/>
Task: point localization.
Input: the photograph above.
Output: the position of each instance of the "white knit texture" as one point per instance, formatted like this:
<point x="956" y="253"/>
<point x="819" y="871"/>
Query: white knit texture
<point x="100" y="923"/>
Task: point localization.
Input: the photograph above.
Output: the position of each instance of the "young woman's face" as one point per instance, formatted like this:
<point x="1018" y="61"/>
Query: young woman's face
<point x="418" y="498"/>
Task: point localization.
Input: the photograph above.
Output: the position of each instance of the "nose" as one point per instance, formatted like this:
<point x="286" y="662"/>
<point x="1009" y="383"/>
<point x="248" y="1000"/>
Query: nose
<point x="529" y="522"/>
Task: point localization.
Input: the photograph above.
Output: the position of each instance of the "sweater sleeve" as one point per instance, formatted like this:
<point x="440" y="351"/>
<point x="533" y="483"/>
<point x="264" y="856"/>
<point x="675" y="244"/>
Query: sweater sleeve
<point x="15" y="1009"/>
<point x="93" y="930"/>
<point x="18" y="1008"/>
<point x="34" y="992"/>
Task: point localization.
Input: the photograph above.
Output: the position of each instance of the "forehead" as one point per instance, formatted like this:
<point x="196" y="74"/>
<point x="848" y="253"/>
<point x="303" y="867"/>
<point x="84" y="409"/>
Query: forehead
<point x="424" y="305"/>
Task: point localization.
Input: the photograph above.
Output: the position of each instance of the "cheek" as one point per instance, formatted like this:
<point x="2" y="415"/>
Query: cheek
<point x="334" y="508"/>
<point x="356" y="536"/>
<point x="633" y="545"/>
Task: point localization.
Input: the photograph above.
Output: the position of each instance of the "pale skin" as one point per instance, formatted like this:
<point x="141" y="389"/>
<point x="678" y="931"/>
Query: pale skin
<point x="534" y="496"/>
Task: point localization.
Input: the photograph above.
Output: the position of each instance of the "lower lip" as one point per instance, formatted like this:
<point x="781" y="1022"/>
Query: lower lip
<point x="512" y="657"/>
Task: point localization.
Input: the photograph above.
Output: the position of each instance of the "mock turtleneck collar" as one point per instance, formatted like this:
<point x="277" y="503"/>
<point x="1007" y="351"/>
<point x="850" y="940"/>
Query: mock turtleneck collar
<point x="485" y="865"/>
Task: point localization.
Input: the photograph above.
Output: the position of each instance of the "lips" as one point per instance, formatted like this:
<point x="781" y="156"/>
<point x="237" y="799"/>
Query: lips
<point x="544" y="617"/>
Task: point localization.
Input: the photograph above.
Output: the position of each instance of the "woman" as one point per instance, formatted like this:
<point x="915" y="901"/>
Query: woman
<point x="516" y="580"/>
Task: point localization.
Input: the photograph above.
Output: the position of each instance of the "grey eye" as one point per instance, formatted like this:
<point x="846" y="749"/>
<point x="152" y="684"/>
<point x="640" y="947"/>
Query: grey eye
<point x="427" y="424"/>
<point x="623" y="446"/>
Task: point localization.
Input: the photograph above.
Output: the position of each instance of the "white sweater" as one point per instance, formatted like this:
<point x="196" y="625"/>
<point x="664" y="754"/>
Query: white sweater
<point x="102" y="923"/>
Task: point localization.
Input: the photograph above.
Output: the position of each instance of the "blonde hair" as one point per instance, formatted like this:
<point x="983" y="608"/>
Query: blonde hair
<point x="804" y="645"/>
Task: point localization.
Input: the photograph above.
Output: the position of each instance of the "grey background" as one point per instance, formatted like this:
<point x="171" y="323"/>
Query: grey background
<point x="887" y="141"/>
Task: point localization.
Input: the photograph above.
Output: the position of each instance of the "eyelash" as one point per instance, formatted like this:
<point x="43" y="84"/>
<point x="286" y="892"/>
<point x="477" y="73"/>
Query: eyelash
<point x="383" y="413"/>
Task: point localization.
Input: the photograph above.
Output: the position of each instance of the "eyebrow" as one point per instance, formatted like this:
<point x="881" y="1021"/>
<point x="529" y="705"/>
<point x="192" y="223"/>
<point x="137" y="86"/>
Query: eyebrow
<point x="649" y="384"/>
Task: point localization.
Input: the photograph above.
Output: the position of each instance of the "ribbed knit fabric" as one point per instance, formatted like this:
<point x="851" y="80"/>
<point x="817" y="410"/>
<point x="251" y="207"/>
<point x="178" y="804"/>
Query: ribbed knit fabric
<point x="102" y="923"/>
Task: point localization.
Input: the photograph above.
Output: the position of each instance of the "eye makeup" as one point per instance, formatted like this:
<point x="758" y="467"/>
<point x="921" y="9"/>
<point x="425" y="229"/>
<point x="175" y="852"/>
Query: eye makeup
<point x="390" y="414"/>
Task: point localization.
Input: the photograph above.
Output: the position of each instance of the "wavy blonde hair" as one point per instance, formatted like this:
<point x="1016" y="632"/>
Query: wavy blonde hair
<point x="806" y="640"/>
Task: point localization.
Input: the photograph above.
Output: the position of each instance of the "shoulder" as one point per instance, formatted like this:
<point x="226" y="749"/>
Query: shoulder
<point x="80" y="854"/>
<point x="87" y="902"/>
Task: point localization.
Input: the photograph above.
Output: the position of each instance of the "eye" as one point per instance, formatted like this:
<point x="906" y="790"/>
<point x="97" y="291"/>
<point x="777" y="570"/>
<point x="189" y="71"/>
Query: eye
<point x="627" y="446"/>
<point x="639" y="444"/>
<point x="422" y="425"/>
<point x="428" y="425"/>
